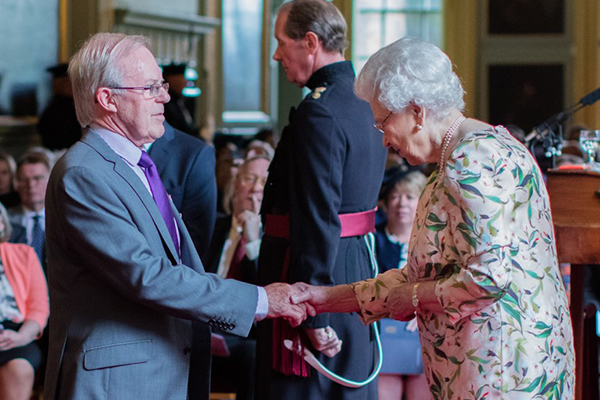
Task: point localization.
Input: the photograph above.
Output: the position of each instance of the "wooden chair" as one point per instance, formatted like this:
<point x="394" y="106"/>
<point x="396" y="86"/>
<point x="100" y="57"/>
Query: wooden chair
<point x="221" y="396"/>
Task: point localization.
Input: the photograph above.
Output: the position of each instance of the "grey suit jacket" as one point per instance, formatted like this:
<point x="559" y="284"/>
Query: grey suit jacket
<point x="121" y="302"/>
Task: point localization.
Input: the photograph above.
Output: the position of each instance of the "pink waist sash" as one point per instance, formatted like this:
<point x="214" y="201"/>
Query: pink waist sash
<point x="353" y="224"/>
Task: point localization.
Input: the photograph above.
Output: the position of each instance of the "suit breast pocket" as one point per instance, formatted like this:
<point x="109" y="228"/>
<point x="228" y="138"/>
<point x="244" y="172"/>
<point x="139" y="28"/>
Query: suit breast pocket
<point x="118" y="354"/>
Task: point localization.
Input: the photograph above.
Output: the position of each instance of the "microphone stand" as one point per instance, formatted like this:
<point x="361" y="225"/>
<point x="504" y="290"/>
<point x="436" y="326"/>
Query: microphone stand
<point x="550" y="132"/>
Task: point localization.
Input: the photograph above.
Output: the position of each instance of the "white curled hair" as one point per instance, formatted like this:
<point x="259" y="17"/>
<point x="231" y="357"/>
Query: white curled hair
<point x="96" y="65"/>
<point x="411" y="71"/>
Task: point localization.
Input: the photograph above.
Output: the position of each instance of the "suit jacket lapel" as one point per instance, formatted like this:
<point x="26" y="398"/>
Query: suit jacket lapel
<point x="124" y="170"/>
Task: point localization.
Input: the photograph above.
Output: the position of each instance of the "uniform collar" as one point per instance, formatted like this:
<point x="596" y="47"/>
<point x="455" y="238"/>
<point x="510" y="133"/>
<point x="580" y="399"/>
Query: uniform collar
<point x="329" y="72"/>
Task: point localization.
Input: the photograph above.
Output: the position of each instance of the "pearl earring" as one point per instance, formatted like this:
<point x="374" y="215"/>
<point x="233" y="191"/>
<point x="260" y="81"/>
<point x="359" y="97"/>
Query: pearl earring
<point x="419" y="127"/>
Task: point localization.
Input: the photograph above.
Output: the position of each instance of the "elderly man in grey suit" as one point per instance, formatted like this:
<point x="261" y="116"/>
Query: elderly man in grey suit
<point x="125" y="279"/>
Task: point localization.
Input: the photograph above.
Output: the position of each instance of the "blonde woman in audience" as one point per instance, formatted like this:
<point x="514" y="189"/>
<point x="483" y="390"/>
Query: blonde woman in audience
<point x="8" y="195"/>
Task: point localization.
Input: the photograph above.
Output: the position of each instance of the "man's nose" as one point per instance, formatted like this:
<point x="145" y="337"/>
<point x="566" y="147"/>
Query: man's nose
<point x="163" y="96"/>
<point x="258" y="186"/>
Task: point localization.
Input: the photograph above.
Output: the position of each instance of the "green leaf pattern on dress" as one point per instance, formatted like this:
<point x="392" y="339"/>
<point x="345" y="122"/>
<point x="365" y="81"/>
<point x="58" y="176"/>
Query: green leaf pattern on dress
<point x="484" y="233"/>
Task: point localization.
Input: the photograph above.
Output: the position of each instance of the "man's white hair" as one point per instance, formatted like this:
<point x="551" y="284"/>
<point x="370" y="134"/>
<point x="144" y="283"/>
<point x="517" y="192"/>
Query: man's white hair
<point x="96" y="65"/>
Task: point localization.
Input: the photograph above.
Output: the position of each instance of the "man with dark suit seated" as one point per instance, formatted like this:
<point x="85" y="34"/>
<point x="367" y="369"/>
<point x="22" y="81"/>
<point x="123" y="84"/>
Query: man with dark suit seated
<point x="234" y="254"/>
<point x="33" y="170"/>
<point x="187" y="168"/>
<point x="125" y="279"/>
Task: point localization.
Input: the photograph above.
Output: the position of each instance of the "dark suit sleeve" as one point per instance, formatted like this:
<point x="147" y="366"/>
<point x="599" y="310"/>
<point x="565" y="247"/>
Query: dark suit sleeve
<point x="120" y="249"/>
<point x="317" y="171"/>
<point x="199" y="210"/>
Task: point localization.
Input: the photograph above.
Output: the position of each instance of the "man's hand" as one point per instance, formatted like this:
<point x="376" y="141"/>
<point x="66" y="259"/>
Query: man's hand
<point x="324" y="340"/>
<point x="280" y="305"/>
<point x="250" y="223"/>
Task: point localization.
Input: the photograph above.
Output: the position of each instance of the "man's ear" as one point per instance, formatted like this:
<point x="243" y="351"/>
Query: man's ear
<point x="312" y="42"/>
<point x="104" y="97"/>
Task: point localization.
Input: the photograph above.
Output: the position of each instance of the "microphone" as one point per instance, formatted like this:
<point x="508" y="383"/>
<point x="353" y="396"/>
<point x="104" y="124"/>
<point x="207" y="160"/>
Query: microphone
<point x="543" y="129"/>
<point x="591" y="98"/>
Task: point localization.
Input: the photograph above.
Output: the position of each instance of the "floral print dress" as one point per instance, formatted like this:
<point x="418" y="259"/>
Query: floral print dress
<point x="484" y="233"/>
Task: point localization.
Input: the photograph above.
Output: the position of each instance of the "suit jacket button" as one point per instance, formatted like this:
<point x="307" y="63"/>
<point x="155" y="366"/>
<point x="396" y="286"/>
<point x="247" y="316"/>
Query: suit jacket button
<point x="187" y="350"/>
<point x="231" y="326"/>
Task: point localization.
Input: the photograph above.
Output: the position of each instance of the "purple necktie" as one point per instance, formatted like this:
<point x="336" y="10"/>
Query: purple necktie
<point x="160" y="196"/>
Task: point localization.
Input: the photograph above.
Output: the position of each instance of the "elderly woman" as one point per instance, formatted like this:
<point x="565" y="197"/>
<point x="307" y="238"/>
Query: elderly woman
<point x="482" y="276"/>
<point x="23" y="314"/>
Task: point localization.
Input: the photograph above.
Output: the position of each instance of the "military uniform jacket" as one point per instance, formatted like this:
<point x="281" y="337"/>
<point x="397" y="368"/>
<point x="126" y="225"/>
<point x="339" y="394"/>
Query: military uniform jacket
<point x="329" y="161"/>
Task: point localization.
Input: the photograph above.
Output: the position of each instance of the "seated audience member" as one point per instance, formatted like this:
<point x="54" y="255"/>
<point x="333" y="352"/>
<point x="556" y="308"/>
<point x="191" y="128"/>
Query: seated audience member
<point x="234" y="254"/>
<point x="33" y="171"/>
<point x="258" y="148"/>
<point x="399" y="199"/>
<point x="23" y="314"/>
<point x="58" y="124"/>
<point x="393" y="162"/>
<point x="8" y="196"/>
<point x="229" y="159"/>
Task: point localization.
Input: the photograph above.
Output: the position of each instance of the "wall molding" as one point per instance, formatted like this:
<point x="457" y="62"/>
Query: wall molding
<point x="189" y="24"/>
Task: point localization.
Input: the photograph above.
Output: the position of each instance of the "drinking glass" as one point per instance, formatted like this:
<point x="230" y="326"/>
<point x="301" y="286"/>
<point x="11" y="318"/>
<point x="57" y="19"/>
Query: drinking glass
<point x="589" y="140"/>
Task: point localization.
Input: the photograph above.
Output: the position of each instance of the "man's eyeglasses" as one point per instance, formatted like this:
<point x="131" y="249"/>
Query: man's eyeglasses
<point x="153" y="90"/>
<point x="251" y="179"/>
<point x="381" y="126"/>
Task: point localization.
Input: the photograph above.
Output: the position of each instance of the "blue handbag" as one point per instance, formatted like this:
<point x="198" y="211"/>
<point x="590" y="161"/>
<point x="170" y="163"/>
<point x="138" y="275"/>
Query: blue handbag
<point x="401" y="349"/>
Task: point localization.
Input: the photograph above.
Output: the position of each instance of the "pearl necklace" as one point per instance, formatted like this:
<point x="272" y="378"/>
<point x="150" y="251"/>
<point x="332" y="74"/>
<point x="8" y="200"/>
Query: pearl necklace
<point x="446" y="141"/>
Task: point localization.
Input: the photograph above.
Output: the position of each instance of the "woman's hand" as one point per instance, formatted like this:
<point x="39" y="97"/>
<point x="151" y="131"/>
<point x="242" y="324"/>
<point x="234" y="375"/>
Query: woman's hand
<point x="399" y="302"/>
<point x="10" y="339"/>
<point x="316" y="296"/>
<point x="322" y="299"/>
<point x="324" y="340"/>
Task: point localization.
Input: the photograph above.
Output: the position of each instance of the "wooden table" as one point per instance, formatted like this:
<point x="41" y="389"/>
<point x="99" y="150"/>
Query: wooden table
<point x="575" y="203"/>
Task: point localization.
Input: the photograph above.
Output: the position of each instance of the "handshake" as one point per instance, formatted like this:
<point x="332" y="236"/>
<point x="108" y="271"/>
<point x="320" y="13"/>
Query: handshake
<point x="290" y="302"/>
<point x="295" y="303"/>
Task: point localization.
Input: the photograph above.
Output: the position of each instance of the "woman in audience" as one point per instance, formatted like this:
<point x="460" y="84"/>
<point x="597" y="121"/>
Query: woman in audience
<point x="399" y="197"/>
<point x="8" y="195"/>
<point x="23" y="314"/>
<point x="482" y="275"/>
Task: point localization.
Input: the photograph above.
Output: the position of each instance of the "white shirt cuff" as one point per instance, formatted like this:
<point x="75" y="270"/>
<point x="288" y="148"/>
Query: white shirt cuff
<point x="262" y="306"/>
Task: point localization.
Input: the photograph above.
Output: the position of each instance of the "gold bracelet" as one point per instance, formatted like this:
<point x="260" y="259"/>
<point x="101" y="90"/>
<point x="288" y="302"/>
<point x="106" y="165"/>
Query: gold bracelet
<point x="415" y="298"/>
